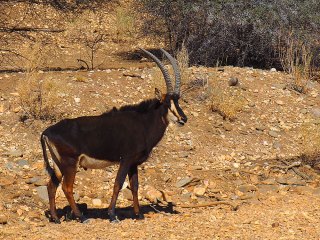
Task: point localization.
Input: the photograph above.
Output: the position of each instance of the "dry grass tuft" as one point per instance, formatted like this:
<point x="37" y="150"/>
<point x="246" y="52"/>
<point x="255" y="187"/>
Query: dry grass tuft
<point x="183" y="61"/>
<point x="227" y="102"/>
<point x="40" y="97"/>
<point x="79" y="78"/>
<point x="125" y="24"/>
<point x="296" y="58"/>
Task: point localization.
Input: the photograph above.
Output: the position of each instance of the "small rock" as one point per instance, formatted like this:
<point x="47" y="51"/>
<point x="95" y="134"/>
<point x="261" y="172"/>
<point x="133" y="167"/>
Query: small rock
<point x="279" y="102"/>
<point x="233" y="81"/>
<point x="277" y="145"/>
<point x="32" y="180"/>
<point x="304" y="190"/>
<point x="76" y="197"/>
<point x="269" y="181"/>
<point x="227" y="126"/>
<point x="199" y="191"/>
<point x="96" y="202"/>
<point x="236" y="165"/>
<point x="14" y="152"/>
<point x="185" y="197"/>
<point x="1" y="108"/>
<point x="251" y="104"/>
<point x="263" y="188"/>
<point x="195" y="114"/>
<point x="17" y="109"/>
<point x="273" y="134"/>
<point x="22" y="163"/>
<point x="282" y="180"/>
<point x="247" y="188"/>
<point x="3" y="219"/>
<point x="127" y="194"/>
<point x="296" y="181"/>
<point x="6" y="181"/>
<point x="316" y="112"/>
<point x="260" y="128"/>
<point x="77" y="100"/>
<point x="183" y="154"/>
<point x="152" y="194"/>
<point x="273" y="70"/>
<point x="43" y="193"/>
<point x="184" y="182"/>
<point x="195" y="168"/>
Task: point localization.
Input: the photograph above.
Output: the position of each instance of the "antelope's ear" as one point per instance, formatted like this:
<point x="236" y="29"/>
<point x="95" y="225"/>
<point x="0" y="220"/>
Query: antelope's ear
<point x="158" y="94"/>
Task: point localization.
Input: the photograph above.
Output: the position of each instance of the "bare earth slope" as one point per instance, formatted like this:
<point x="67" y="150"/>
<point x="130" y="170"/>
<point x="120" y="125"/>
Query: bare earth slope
<point x="253" y="162"/>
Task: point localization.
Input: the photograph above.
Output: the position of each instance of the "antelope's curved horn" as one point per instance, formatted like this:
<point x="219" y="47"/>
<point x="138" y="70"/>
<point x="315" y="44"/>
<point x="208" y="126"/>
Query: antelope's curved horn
<point x="163" y="70"/>
<point x="176" y="70"/>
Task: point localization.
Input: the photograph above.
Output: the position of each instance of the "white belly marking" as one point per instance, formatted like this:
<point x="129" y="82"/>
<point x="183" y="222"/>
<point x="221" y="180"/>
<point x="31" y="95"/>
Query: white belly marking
<point x="93" y="163"/>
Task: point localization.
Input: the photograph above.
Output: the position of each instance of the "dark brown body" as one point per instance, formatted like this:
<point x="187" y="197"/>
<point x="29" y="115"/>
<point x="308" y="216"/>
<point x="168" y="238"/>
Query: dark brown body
<point x="125" y="136"/>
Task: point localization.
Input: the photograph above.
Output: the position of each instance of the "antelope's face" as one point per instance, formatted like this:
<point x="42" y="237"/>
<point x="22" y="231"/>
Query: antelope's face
<point x="175" y="111"/>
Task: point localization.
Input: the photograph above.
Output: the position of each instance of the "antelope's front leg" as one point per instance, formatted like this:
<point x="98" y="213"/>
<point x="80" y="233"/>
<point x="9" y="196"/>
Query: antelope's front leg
<point x="134" y="184"/>
<point x="121" y="176"/>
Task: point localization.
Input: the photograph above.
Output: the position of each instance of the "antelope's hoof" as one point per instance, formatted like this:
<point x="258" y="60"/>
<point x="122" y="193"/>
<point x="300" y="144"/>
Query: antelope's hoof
<point x="139" y="216"/>
<point x="69" y="216"/>
<point x="55" y="220"/>
<point x="84" y="220"/>
<point x="114" y="219"/>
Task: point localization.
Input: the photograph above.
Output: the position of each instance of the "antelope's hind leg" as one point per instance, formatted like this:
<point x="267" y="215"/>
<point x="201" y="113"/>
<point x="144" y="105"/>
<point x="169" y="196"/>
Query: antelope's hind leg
<point x="52" y="190"/>
<point x="55" y="179"/>
<point x="67" y="187"/>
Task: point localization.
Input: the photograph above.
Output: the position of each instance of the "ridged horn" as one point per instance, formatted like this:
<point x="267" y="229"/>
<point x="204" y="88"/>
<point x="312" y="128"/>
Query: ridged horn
<point x="163" y="70"/>
<point x="176" y="70"/>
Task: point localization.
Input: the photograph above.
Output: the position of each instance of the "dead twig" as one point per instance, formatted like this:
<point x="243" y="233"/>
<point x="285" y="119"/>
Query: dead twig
<point x="286" y="168"/>
<point x="294" y="166"/>
<point x="82" y="61"/>
<point x="132" y="75"/>
<point x="301" y="174"/>
<point x="249" y="172"/>
<point x="157" y="211"/>
<point x="234" y="206"/>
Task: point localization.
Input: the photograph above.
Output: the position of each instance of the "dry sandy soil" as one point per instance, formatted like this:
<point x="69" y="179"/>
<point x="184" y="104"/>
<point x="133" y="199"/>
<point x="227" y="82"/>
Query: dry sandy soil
<point x="251" y="166"/>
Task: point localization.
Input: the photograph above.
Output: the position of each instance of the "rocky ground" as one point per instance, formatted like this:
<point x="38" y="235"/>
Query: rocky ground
<point x="242" y="177"/>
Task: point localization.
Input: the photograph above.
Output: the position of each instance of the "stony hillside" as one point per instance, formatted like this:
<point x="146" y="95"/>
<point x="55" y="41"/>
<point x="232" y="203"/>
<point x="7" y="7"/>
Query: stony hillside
<point x="243" y="177"/>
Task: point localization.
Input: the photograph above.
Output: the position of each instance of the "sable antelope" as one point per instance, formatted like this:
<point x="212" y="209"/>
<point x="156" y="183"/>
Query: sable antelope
<point x="125" y="136"/>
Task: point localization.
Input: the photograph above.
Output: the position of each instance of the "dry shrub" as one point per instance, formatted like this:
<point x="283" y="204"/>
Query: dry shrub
<point x="125" y="23"/>
<point x="88" y="31"/>
<point x="40" y="97"/>
<point x="183" y="61"/>
<point x="228" y="103"/>
<point x="40" y="55"/>
<point x="296" y="57"/>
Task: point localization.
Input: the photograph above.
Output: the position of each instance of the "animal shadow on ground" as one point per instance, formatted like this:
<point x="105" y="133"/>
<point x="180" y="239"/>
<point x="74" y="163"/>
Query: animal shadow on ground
<point x="122" y="213"/>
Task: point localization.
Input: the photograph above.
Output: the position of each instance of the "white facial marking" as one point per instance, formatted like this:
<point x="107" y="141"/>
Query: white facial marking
<point x="173" y="114"/>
